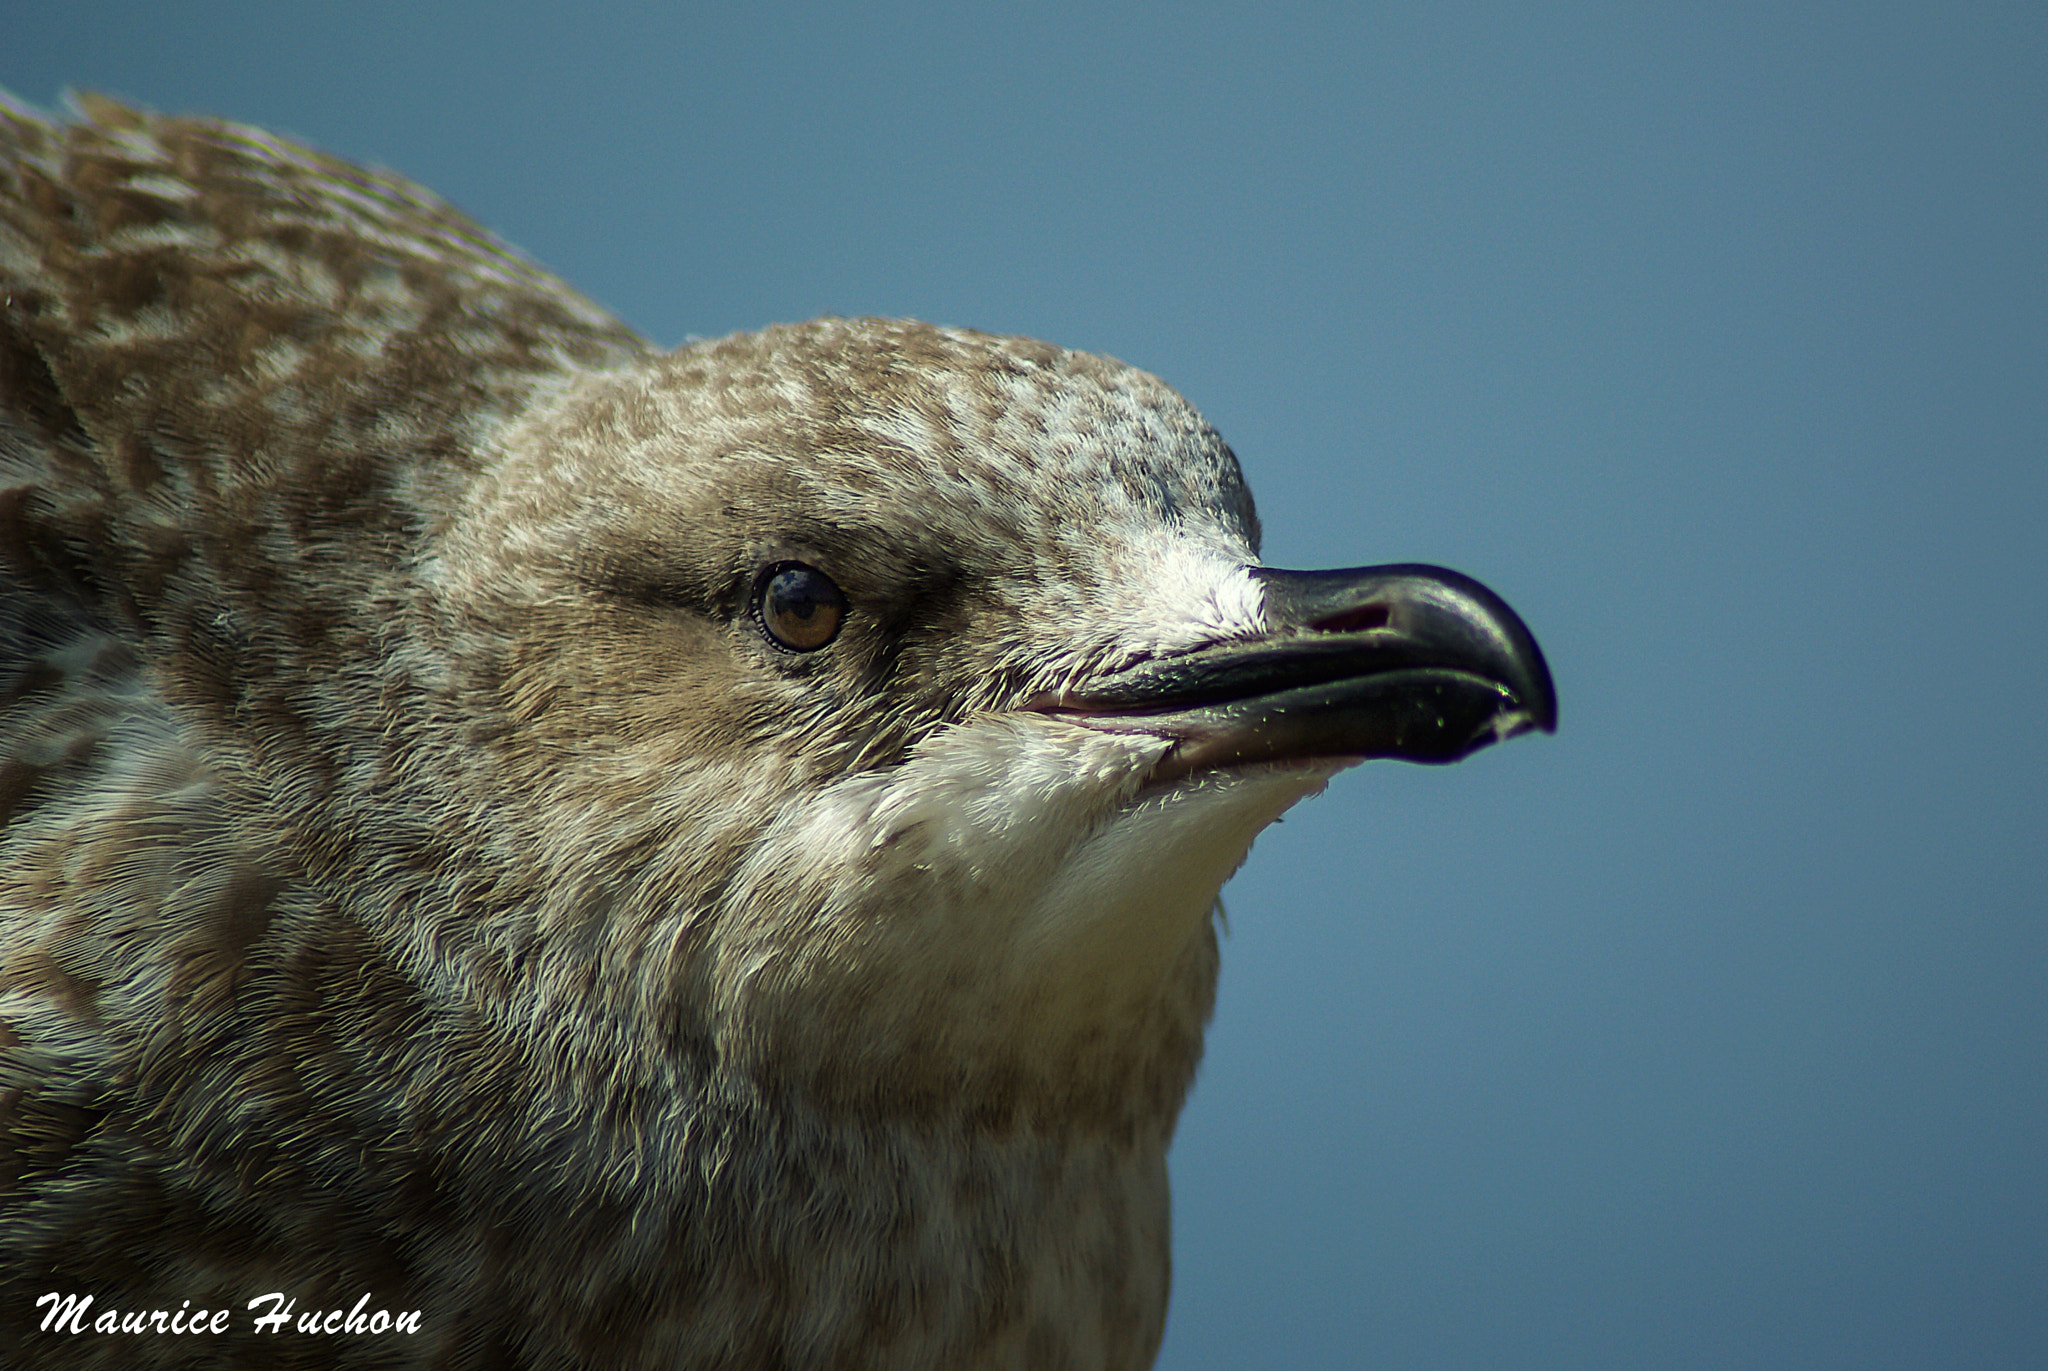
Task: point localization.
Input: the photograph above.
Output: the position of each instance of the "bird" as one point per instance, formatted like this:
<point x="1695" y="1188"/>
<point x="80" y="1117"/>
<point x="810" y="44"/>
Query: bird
<point x="526" y="849"/>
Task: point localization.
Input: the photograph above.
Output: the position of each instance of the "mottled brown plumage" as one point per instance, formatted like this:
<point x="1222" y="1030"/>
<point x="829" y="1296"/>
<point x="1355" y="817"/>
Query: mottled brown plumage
<point x="424" y="873"/>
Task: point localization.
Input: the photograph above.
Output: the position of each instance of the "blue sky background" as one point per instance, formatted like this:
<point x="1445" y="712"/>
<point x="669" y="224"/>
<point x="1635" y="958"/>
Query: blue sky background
<point x="1711" y="1032"/>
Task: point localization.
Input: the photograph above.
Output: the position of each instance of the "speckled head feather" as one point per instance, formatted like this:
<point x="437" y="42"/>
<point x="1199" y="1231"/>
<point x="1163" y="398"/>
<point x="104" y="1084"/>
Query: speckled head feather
<point x="427" y="870"/>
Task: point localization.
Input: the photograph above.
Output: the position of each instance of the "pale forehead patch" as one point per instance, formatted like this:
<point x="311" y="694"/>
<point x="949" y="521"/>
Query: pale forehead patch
<point x="1172" y="591"/>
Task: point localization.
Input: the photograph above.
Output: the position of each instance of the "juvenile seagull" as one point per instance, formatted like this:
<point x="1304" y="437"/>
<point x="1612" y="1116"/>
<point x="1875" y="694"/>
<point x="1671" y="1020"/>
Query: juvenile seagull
<point x="694" y="859"/>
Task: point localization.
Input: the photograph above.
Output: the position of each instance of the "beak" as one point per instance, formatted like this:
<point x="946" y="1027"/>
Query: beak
<point x="1408" y="661"/>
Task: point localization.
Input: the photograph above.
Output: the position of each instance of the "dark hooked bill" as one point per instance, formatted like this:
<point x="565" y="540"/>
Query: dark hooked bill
<point x="1409" y="661"/>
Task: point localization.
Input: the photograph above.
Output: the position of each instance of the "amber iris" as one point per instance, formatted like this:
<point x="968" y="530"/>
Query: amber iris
<point x="799" y="606"/>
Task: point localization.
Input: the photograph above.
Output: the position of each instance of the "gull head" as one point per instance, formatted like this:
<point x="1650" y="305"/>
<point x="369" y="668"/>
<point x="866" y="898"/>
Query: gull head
<point x="876" y="710"/>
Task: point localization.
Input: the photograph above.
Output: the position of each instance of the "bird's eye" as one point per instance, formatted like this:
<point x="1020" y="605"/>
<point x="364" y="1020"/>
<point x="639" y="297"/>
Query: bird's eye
<point x="798" y="606"/>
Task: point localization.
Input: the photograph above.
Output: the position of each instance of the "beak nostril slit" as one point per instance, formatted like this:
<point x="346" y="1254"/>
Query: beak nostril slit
<point x="1355" y="620"/>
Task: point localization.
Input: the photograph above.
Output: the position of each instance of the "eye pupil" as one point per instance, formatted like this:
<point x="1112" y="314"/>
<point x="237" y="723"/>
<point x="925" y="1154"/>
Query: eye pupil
<point x="799" y="606"/>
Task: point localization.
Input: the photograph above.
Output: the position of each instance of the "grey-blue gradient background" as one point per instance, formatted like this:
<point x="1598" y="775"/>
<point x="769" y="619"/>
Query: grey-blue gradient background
<point x="1712" y="1032"/>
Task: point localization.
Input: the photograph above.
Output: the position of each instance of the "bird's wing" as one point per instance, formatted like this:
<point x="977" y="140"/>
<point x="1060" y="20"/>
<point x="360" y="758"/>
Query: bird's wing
<point x="239" y="382"/>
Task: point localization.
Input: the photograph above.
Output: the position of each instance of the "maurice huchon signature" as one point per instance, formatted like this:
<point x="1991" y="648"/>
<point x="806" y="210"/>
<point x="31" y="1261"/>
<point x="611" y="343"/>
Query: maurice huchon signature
<point x="74" y="1314"/>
